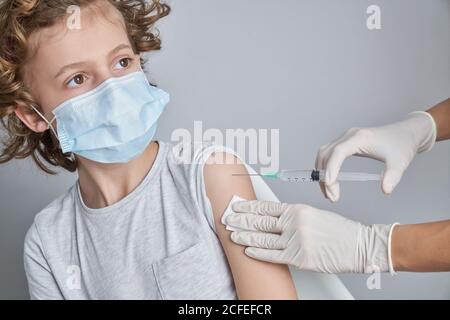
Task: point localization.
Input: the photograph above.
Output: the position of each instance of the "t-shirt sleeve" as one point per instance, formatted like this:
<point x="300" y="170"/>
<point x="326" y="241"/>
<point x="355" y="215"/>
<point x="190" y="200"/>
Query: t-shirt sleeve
<point x="41" y="283"/>
<point x="194" y="156"/>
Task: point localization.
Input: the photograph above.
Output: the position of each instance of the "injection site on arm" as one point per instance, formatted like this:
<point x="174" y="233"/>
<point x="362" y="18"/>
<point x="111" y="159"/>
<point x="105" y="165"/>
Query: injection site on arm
<point x="254" y="279"/>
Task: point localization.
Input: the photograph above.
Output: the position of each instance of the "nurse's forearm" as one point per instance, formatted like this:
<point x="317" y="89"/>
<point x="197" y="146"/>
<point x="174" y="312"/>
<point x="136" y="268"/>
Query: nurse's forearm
<point x="441" y="115"/>
<point x="421" y="247"/>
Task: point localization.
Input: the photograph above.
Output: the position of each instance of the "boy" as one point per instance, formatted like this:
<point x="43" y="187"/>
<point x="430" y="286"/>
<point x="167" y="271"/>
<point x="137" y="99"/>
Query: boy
<point x="138" y="224"/>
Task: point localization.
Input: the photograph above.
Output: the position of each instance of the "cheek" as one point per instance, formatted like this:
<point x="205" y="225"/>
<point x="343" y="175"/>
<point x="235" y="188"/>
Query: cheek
<point x="43" y="90"/>
<point x="48" y="98"/>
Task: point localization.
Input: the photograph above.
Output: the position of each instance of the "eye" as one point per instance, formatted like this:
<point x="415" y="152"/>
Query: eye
<point x="76" y="81"/>
<point x="123" y="63"/>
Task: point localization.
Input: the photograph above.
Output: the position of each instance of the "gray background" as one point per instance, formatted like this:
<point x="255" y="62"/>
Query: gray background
<point x="309" y="68"/>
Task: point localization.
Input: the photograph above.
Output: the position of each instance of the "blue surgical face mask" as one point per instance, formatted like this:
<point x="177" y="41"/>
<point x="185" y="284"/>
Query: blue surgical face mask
<point x="112" y="123"/>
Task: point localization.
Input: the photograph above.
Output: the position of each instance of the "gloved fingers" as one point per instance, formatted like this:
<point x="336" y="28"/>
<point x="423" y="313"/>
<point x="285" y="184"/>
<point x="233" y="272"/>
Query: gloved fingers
<point x="260" y="207"/>
<point x="253" y="222"/>
<point x="269" y="255"/>
<point x="258" y="239"/>
<point x="323" y="189"/>
<point x="330" y="192"/>
<point x="321" y="155"/>
<point x="319" y="166"/>
<point x="333" y="191"/>
<point x="348" y="144"/>
<point x="336" y="157"/>
<point x="392" y="175"/>
<point x="333" y="163"/>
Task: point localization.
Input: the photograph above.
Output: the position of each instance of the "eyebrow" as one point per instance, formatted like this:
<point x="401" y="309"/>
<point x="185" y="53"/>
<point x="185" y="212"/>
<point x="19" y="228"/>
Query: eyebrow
<point x="79" y="64"/>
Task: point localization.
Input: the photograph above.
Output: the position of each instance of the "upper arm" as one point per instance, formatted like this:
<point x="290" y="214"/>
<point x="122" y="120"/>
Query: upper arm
<point x="253" y="279"/>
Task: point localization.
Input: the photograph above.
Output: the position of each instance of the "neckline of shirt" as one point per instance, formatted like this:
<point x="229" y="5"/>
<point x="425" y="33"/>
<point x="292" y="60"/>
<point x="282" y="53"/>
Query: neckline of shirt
<point x="162" y="148"/>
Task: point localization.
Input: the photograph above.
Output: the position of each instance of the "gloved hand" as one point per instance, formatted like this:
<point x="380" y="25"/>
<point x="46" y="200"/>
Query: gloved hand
<point x="395" y="144"/>
<point x="309" y="238"/>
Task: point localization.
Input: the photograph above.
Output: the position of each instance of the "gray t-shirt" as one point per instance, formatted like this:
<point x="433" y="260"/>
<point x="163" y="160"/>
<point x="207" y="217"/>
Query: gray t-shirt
<point x="158" y="242"/>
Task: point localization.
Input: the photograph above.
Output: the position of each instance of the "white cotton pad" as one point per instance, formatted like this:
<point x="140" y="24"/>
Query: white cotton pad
<point x="229" y="210"/>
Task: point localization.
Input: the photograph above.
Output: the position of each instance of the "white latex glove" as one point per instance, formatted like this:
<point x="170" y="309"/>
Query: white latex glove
<point x="309" y="238"/>
<point x="395" y="144"/>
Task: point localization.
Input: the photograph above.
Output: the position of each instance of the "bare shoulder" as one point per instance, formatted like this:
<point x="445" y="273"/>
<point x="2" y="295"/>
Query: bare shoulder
<point x="223" y="180"/>
<point x="253" y="279"/>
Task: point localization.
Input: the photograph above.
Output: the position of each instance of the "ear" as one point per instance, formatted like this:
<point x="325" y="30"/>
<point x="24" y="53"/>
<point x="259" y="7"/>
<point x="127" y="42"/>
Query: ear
<point x="30" y="118"/>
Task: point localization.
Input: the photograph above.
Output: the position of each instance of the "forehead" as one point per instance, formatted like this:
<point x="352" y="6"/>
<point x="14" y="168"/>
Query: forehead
<point x="101" y="28"/>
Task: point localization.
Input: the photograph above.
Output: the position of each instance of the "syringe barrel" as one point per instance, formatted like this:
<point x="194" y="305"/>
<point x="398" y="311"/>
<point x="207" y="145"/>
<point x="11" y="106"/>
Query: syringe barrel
<point x="319" y="175"/>
<point x="352" y="176"/>
<point x="295" y="175"/>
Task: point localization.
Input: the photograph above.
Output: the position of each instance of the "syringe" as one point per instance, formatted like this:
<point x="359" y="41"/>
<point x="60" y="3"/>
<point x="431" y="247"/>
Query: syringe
<point x="316" y="175"/>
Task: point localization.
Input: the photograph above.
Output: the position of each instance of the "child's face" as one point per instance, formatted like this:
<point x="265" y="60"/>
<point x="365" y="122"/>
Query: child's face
<point x="69" y="62"/>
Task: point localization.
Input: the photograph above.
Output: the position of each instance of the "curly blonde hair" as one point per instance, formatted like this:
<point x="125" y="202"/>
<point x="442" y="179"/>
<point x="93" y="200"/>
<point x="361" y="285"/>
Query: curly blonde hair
<point x="18" y="20"/>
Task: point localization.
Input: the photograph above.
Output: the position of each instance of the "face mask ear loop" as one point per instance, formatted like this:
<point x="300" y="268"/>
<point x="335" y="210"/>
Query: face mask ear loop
<point x="49" y="126"/>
